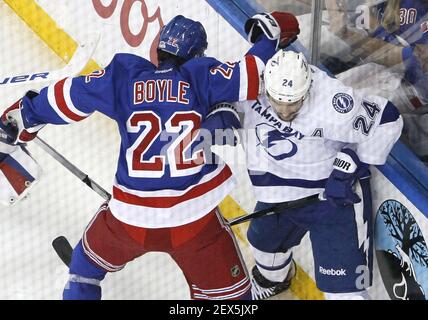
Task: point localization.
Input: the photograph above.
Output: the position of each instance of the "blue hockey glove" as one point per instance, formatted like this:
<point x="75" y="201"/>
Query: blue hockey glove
<point x="347" y="168"/>
<point x="218" y="127"/>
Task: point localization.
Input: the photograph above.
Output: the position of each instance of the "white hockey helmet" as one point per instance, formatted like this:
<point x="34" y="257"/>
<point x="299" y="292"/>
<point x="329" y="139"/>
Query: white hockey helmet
<point x="287" y="76"/>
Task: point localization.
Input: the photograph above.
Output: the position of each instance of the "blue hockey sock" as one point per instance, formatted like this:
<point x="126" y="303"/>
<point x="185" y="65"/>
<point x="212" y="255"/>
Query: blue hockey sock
<point x="246" y="296"/>
<point x="85" y="277"/>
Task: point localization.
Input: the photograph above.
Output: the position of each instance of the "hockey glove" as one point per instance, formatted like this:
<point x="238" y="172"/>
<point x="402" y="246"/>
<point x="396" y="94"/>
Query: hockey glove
<point x="218" y="127"/>
<point x="275" y="25"/>
<point x="347" y="168"/>
<point x="14" y="125"/>
<point x="20" y="172"/>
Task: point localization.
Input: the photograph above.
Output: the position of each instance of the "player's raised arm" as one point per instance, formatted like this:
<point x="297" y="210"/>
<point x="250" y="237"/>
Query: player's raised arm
<point x="281" y="28"/>
<point x="69" y="100"/>
<point x="267" y="32"/>
<point x="238" y="81"/>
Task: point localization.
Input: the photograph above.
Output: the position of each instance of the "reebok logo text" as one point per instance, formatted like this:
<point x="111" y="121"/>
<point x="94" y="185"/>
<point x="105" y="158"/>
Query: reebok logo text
<point x="332" y="272"/>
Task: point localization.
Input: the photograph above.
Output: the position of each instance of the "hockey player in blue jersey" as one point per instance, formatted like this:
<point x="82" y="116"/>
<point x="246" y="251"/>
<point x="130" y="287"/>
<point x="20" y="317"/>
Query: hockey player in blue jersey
<point x="309" y="134"/>
<point x="165" y="195"/>
<point x="403" y="25"/>
<point x="394" y="52"/>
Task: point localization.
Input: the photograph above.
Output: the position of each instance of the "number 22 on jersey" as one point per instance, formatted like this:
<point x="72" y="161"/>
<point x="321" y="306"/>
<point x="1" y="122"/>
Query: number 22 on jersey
<point x="186" y="122"/>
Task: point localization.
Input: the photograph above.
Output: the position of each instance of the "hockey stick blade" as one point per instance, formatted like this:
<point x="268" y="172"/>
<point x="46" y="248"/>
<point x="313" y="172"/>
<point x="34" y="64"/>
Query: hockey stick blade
<point x="277" y="209"/>
<point x="77" y="63"/>
<point x="63" y="249"/>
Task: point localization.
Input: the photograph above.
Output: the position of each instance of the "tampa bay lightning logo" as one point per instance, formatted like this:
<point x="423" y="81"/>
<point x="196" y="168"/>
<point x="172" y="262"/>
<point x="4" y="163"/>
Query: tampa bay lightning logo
<point x="401" y="251"/>
<point x="276" y="143"/>
<point x="343" y="102"/>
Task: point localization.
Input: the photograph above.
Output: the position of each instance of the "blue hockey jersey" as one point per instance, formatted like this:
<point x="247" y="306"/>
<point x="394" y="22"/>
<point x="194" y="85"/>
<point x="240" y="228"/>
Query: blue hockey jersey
<point x="160" y="181"/>
<point x="413" y="30"/>
<point x="413" y="23"/>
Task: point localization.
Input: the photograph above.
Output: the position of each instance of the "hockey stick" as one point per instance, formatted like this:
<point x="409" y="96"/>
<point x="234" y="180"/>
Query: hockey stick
<point x="60" y="244"/>
<point x="73" y="169"/>
<point x="277" y="209"/>
<point x="62" y="160"/>
<point x="64" y="250"/>
<point x="76" y="64"/>
<point x="79" y="60"/>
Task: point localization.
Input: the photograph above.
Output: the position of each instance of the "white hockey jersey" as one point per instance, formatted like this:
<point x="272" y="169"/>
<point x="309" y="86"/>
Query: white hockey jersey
<point x="290" y="160"/>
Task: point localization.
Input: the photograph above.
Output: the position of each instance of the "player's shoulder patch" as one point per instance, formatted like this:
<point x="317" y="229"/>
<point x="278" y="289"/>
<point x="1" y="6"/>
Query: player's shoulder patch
<point x="342" y="102"/>
<point x="328" y="91"/>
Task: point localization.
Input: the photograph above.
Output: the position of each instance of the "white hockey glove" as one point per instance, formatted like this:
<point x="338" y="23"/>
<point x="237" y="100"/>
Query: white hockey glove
<point x="18" y="172"/>
<point x="14" y="125"/>
<point x="282" y="26"/>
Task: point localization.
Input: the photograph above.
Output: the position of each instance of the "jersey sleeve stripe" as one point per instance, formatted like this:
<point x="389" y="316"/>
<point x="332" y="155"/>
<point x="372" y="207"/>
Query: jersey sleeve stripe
<point x="53" y="104"/>
<point x="253" y="77"/>
<point x="69" y="102"/>
<point x="168" y="202"/>
<point x="243" y="85"/>
<point x="58" y="101"/>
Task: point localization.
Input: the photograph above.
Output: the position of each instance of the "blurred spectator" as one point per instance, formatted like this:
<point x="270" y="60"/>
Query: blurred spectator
<point x="391" y="50"/>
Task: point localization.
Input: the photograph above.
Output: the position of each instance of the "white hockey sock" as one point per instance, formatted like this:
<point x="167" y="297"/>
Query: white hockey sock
<point x="273" y="266"/>
<point x="80" y="279"/>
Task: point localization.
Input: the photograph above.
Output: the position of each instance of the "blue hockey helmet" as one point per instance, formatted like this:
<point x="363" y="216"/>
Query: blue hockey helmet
<point x="184" y="38"/>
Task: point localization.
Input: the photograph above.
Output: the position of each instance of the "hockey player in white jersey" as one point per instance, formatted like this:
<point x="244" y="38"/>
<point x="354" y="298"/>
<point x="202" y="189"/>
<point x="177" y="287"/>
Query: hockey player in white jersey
<point x="314" y="135"/>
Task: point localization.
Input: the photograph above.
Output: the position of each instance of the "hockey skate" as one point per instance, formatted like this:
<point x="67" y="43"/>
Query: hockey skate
<point x="262" y="288"/>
